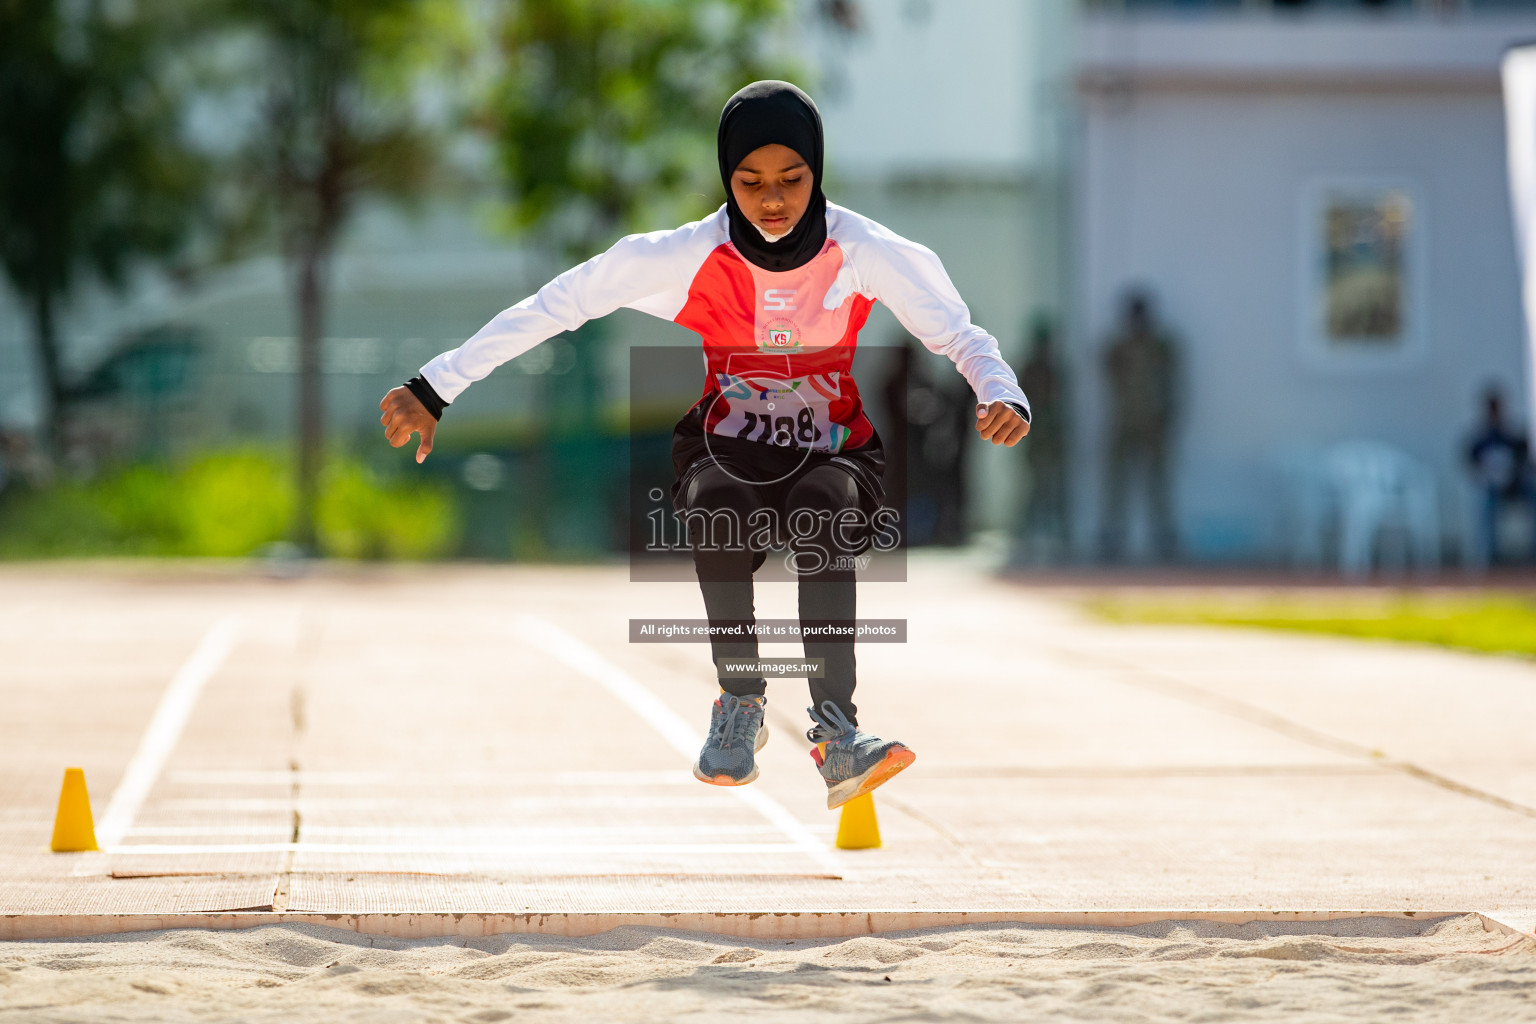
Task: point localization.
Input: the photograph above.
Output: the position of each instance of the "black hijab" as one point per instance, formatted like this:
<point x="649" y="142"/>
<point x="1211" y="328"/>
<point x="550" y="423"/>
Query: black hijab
<point x="761" y="114"/>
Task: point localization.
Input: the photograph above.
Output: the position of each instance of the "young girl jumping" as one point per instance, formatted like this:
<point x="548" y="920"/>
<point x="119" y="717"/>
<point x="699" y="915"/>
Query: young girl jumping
<point x="777" y="283"/>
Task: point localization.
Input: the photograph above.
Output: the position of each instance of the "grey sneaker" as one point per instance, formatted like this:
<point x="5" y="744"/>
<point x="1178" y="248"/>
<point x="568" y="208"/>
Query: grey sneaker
<point x="853" y="763"/>
<point x="736" y="732"/>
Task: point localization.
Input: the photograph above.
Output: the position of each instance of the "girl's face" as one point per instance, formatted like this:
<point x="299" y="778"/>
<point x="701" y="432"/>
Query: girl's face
<point x="772" y="185"/>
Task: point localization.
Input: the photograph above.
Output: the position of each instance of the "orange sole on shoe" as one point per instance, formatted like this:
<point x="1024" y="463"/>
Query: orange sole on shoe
<point x="896" y="759"/>
<point x="726" y="780"/>
<point x="723" y="780"/>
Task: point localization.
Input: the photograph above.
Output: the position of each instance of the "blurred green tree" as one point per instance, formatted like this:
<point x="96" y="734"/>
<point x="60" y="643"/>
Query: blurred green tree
<point x="604" y="119"/>
<point x="604" y="114"/>
<point x="344" y="113"/>
<point x="96" y="173"/>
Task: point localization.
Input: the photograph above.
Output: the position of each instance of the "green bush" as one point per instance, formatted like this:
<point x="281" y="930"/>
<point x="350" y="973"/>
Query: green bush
<point x="225" y="504"/>
<point x="125" y="514"/>
<point x="233" y="503"/>
<point x="359" y="517"/>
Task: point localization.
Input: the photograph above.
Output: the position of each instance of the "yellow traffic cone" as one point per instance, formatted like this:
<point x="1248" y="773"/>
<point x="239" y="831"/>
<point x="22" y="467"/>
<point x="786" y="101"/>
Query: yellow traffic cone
<point x="73" y="831"/>
<point x="857" y="828"/>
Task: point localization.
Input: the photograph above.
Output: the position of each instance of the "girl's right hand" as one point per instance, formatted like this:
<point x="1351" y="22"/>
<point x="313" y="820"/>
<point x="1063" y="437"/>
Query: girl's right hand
<point x="404" y="415"/>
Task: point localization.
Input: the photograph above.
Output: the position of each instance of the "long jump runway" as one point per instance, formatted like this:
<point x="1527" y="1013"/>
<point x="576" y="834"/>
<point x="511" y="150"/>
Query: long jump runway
<point x="420" y="751"/>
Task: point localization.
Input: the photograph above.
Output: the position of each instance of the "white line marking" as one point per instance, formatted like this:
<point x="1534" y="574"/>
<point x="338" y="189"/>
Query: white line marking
<point x="536" y="834"/>
<point x="520" y="850"/>
<point x="165" y="729"/>
<point x="434" y="780"/>
<point x="562" y="646"/>
<point x="504" y="836"/>
<point x="411" y="806"/>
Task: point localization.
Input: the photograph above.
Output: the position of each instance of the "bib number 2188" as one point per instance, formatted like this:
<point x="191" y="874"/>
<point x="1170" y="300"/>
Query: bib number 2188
<point x="798" y="431"/>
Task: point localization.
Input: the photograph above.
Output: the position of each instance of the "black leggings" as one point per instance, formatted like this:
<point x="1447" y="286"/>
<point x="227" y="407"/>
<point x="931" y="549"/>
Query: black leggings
<point x="725" y="569"/>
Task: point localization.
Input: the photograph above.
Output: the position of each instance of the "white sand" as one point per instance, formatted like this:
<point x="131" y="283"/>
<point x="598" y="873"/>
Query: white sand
<point x="1358" y="970"/>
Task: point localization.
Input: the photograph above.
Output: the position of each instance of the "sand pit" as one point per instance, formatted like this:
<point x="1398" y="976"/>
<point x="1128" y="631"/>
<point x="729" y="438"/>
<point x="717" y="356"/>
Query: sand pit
<point x="1366" y="969"/>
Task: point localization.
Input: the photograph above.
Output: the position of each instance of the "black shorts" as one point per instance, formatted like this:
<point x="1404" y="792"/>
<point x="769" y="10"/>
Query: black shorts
<point x="776" y="468"/>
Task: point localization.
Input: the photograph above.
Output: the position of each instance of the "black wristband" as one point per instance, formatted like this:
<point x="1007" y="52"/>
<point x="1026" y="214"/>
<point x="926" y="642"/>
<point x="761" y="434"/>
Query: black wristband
<point x="1016" y="407"/>
<point x="427" y="396"/>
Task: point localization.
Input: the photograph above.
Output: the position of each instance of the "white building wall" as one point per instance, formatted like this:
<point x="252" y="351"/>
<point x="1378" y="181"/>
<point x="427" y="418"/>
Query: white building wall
<point x="1200" y="142"/>
<point x="925" y="86"/>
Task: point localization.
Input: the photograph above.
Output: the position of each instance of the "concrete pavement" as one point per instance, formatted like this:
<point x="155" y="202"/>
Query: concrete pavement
<point x="484" y="740"/>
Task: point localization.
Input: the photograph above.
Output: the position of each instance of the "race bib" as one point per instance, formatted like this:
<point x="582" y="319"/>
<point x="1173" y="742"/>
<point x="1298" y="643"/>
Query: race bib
<point x="790" y="413"/>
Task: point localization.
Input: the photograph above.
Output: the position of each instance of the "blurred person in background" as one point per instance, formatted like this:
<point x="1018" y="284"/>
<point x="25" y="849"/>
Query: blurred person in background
<point x="1044" y="525"/>
<point x="20" y="460"/>
<point x="944" y="451"/>
<point x="1141" y="368"/>
<point x="1499" y="459"/>
<point x="932" y="476"/>
<point x="896" y="391"/>
<point x="777" y="282"/>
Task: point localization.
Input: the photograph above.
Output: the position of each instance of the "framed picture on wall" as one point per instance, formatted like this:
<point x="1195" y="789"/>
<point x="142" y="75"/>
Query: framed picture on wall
<point x="1362" y="291"/>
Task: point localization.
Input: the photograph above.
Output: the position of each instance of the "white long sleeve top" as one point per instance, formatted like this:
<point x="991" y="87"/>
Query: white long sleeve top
<point x="778" y="346"/>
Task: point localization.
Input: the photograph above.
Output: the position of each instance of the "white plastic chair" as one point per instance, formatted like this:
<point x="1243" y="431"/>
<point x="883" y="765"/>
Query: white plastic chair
<point x="1374" y="486"/>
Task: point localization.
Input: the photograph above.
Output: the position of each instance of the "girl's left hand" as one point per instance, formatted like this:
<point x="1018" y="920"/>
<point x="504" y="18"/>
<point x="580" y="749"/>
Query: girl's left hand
<point x="1001" y="424"/>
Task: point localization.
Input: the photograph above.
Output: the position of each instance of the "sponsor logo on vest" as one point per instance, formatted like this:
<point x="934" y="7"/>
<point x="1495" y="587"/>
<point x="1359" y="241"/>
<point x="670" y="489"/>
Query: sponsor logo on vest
<point x="779" y="336"/>
<point x="778" y="298"/>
